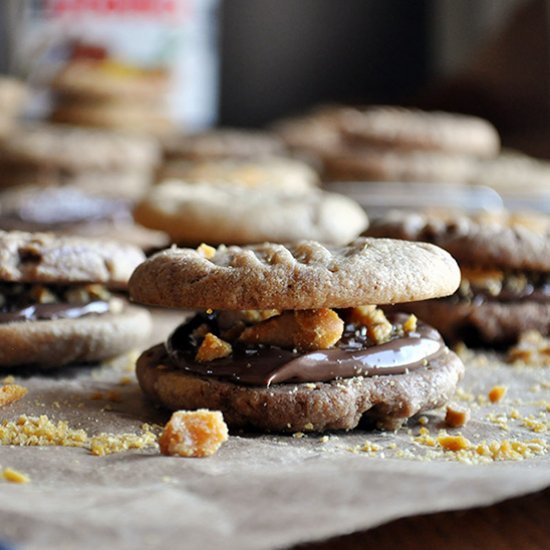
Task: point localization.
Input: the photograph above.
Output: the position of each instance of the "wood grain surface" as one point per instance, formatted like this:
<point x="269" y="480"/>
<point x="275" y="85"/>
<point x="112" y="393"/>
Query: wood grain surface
<point x="519" y="523"/>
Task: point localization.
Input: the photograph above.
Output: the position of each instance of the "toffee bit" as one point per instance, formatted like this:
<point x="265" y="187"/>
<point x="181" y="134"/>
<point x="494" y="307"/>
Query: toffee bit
<point x="497" y="393"/>
<point x="456" y="416"/>
<point x="196" y="434"/>
<point x="379" y="329"/>
<point x="213" y="348"/>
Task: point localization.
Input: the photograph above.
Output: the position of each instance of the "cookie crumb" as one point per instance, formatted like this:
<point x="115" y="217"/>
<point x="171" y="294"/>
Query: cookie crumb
<point x="9" y="393"/>
<point x="497" y="393"/>
<point x="197" y="433"/>
<point x="410" y="324"/>
<point x="454" y="442"/>
<point x="456" y="416"/>
<point x="206" y="251"/>
<point x="13" y="476"/>
<point x="213" y="348"/>
<point x="423" y="420"/>
<point x="298" y="435"/>
<point x="532" y="349"/>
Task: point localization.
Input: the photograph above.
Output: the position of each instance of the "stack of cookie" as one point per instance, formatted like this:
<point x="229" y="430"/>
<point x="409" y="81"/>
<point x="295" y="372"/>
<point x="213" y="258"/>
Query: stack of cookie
<point x="269" y="352"/>
<point x="13" y="95"/>
<point x="380" y="143"/>
<point x="101" y="92"/>
<point x="75" y="180"/>
<point x="223" y="143"/>
<point x="59" y="301"/>
<point x="504" y="258"/>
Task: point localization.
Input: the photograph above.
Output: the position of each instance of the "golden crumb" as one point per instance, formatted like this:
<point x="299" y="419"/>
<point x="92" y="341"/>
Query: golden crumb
<point x="206" y="251"/>
<point x="370" y="447"/>
<point x="298" y="435"/>
<point x="497" y="393"/>
<point x="532" y="349"/>
<point x="43" y="432"/>
<point x="13" y="476"/>
<point x="10" y="379"/>
<point x="324" y="439"/>
<point x="456" y="416"/>
<point x="453" y="442"/>
<point x="197" y="433"/>
<point x="410" y="324"/>
<point x="40" y="431"/>
<point x="9" y="393"/>
<point x="213" y="348"/>
<point x="423" y="420"/>
<point x="308" y="427"/>
<point x="106" y="444"/>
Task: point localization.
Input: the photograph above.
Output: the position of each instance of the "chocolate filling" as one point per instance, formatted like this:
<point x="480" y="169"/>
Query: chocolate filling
<point x="534" y="287"/>
<point x="43" y="312"/>
<point x="263" y="365"/>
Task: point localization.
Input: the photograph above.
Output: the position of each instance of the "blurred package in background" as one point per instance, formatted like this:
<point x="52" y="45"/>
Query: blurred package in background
<point x="138" y="65"/>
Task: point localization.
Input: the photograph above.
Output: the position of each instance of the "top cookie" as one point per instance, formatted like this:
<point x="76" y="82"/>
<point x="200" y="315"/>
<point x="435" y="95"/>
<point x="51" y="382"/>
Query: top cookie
<point x="415" y="129"/>
<point x="270" y="172"/>
<point x="486" y="239"/>
<point x="307" y="275"/>
<point x="78" y="148"/>
<point x="107" y="78"/>
<point x="223" y="143"/>
<point x="47" y="258"/>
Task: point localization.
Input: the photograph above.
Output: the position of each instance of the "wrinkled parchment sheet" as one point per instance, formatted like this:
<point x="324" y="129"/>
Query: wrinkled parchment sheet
<point x="258" y="491"/>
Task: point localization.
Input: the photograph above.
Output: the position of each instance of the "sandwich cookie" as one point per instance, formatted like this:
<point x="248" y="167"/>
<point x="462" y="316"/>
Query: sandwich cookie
<point x="223" y="143"/>
<point x="284" y="341"/>
<point x="56" y="301"/>
<point x="414" y="129"/>
<point x="69" y="210"/>
<point x="504" y="258"/>
<point x="235" y="214"/>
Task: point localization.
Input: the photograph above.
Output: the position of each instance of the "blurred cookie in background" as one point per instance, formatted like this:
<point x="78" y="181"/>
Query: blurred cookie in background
<point x="383" y="143"/>
<point x="69" y="210"/>
<point x="217" y="213"/>
<point x="266" y="172"/>
<point x="13" y="96"/>
<point x="94" y="89"/>
<point x="102" y="162"/>
<point x="223" y="143"/>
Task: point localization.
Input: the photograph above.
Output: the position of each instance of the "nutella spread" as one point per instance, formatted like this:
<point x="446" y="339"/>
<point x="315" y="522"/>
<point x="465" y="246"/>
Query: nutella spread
<point x="42" y="312"/>
<point x="263" y="365"/>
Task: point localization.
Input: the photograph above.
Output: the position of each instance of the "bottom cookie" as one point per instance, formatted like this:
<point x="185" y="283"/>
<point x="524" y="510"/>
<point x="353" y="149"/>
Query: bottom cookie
<point x="492" y="323"/>
<point x="387" y="401"/>
<point x="55" y="343"/>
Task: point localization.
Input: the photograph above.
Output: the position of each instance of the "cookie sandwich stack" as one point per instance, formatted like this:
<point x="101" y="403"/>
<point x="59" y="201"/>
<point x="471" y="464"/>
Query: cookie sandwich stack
<point x="58" y="301"/>
<point x="289" y="338"/>
<point x="382" y="143"/>
<point x="95" y="90"/>
<point x="505" y="263"/>
<point x="105" y="163"/>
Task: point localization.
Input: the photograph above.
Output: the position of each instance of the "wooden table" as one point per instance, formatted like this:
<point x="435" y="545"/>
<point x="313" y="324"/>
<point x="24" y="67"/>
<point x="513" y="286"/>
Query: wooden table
<point x="519" y="524"/>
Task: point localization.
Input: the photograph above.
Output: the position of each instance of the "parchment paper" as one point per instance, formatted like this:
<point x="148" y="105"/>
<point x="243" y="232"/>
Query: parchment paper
<point x="258" y="491"/>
